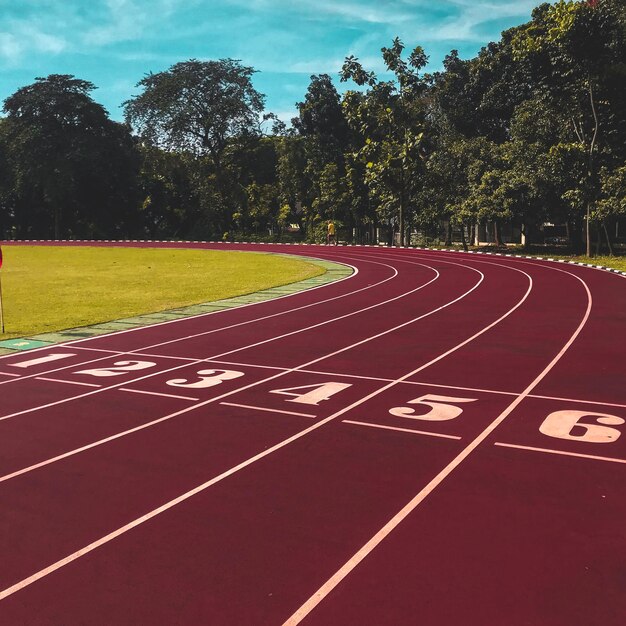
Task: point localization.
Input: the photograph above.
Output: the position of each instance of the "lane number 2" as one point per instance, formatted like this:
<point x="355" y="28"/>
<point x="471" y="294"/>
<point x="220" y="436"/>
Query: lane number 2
<point x="118" y="368"/>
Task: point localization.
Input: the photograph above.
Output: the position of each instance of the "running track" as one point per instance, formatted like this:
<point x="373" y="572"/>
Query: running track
<point x="435" y="440"/>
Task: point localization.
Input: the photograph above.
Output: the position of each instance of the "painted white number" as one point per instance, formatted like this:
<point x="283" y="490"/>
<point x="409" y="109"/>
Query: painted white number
<point x="567" y="425"/>
<point x="119" y="368"/>
<point x="318" y="393"/>
<point x="41" y="360"/>
<point x="208" y="378"/>
<point x="441" y="408"/>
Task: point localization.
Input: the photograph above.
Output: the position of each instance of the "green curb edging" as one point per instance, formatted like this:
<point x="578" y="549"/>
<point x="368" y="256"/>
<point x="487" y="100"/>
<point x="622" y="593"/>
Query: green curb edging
<point x="333" y="272"/>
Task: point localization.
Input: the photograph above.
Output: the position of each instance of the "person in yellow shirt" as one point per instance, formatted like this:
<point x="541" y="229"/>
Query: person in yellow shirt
<point x="330" y="237"/>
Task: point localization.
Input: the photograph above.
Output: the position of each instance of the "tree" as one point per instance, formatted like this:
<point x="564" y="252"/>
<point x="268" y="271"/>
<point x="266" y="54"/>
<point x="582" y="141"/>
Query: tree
<point x="73" y="170"/>
<point x="573" y="50"/>
<point x="389" y="119"/>
<point x="208" y="109"/>
<point x="325" y="134"/>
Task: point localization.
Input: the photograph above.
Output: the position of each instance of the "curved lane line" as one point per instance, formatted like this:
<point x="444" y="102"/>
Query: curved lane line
<point x="388" y="528"/>
<point x="137" y="522"/>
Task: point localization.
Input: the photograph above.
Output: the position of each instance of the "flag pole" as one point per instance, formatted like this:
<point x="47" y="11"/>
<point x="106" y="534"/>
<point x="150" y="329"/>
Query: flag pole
<point x="1" y="308"/>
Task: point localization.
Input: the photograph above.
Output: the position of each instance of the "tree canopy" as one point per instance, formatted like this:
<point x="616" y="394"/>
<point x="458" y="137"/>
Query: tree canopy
<point x="528" y="133"/>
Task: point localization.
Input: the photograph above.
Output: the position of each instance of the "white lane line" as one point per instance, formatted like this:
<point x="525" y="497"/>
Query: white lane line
<point x="260" y="408"/>
<point x="579" y="401"/>
<point x="10" y="374"/>
<point x="259" y="343"/>
<point x="225" y="395"/>
<point x="561" y="453"/>
<point x="162" y="395"/>
<point x="67" y="382"/>
<point x="137" y="353"/>
<point x="168" y="505"/>
<point x="402" y="430"/>
<point x="397" y="519"/>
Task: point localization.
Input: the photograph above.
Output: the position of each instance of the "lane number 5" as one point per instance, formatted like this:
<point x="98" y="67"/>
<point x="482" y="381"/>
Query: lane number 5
<point x="442" y="408"/>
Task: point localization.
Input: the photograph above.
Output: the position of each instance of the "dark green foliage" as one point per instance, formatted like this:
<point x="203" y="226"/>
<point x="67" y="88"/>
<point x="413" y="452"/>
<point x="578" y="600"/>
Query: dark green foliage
<point x="71" y="171"/>
<point x="530" y="131"/>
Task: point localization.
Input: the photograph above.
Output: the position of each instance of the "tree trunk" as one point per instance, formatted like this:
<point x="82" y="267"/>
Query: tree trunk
<point x="575" y="237"/>
<point x="608" y="238"/>
<point x="496" y="235"/>
<point x="449" y="234"/>
<point x="591" y="163"/>
<point x="463" y="240"/>
<point x="57" y="219"/>
<point x="401" y="220"/>
<point x="588" y="230"/>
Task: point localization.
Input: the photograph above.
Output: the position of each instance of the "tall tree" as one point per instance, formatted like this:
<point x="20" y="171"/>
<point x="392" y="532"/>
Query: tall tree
<point x="574" y="50"/>
<point x="389" y="117"/>
<point x="325" y="135"/>
<point x="208" y="109"/>
<point x="73" y="170"/>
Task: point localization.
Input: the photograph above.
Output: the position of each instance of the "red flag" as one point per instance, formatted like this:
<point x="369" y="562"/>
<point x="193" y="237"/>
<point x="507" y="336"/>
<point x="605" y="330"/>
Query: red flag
<point x="0" y="257"/>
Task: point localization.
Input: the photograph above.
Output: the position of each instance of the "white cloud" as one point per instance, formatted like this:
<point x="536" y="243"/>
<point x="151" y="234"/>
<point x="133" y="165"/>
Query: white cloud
<point x="472" y="14"/>
<point x="10" y="48"/>
<point x="23" y="38"/>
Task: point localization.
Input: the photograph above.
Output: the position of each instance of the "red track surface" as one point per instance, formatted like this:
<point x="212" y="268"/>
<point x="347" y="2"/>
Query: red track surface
<point x="502" y="501"/>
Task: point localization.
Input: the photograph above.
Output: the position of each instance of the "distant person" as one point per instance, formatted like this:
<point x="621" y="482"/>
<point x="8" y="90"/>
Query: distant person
<point x="330" y="236"/>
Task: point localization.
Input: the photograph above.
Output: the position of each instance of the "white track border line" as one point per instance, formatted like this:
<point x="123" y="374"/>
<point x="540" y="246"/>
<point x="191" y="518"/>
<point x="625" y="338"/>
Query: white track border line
<point x="310" y="604"/>
<point x="267" y="409"/>
<point x="161" y="395"/>
<point x="172" y="503"/>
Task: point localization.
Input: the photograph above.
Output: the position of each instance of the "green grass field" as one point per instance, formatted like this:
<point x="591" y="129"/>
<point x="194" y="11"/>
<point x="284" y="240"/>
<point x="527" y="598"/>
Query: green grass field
<point x="46" y="289"/>
<point x="616" y="262"/>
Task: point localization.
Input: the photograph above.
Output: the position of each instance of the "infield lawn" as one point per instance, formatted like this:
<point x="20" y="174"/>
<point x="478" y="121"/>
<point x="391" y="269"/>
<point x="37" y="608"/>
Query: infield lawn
<point x="53" y="288"/>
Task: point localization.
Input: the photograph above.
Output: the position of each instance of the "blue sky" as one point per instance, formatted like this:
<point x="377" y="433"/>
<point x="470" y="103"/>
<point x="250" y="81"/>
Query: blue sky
<point x="114" y="43"/>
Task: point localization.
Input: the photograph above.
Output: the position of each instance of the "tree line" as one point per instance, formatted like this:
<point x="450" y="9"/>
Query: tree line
<point x="532" y="131"/>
